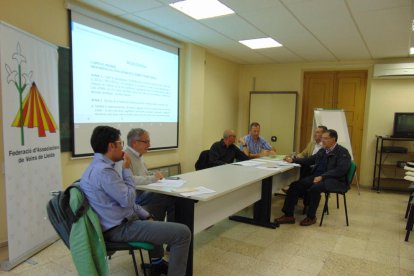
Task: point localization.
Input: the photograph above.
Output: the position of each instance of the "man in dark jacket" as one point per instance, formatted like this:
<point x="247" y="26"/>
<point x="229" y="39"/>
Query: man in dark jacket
<point x="329" y="174"/>
<point x="224" y="151"/>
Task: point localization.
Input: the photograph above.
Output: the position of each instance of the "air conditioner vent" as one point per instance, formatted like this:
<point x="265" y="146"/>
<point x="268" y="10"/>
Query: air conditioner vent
<point x="393" y="71"/>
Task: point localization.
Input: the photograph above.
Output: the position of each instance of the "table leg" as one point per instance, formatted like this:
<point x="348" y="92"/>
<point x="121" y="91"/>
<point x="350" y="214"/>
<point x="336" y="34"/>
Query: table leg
<point x="261" y="209"/>
<point x="184" y="213"/>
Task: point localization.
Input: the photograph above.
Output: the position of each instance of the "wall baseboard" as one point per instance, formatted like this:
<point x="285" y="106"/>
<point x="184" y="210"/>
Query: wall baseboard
<point x="3" y="243"/>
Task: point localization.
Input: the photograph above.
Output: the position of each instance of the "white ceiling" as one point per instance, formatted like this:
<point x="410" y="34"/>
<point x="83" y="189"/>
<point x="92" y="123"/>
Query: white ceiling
<point x="310" y="30"/>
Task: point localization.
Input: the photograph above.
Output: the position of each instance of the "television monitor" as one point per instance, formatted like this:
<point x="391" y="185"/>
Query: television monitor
<point x="403" y="125"/>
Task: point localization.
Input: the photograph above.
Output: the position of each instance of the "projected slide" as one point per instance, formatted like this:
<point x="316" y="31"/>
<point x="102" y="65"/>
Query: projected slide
<point x="124" y="82"/>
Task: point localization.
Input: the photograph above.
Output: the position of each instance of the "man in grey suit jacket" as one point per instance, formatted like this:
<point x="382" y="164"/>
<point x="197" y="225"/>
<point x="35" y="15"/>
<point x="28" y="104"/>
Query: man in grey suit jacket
<point x="138" y="142"/>
<point x="331" y="164"/>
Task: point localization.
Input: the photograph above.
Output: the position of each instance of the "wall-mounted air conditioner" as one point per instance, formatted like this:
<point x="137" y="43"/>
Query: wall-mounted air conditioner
<point x="393" y="71"/>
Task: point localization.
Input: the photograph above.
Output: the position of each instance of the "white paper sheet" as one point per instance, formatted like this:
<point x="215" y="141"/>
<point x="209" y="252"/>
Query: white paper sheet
<point x="249" y="163"/>
<point x="269" y="168"/>
<point x="283" y="163"/>
<point x="168" y="183"/>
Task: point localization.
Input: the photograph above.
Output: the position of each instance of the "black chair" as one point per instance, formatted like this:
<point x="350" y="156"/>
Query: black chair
<point x="410" y="221"/>
<point x="411" y="190"/>
<point x="349" y="178"/>
<point x="203" y="160"/>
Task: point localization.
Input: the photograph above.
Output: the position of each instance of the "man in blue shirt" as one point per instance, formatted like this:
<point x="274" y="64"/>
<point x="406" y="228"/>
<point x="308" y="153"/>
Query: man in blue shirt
<point x="113" y="196"/>
<point x="253" y="145"/>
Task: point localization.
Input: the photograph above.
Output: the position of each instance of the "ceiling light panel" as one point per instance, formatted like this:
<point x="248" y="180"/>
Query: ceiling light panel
<point x="261" y="43"/>
<point x="201" y="9"/>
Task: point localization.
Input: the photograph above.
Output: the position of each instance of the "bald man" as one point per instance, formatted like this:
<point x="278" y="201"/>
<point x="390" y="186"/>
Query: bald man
<point x="224" y="151"/>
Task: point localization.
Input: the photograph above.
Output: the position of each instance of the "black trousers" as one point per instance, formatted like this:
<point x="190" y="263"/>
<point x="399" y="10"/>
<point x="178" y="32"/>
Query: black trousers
<point x="302" y="187"/>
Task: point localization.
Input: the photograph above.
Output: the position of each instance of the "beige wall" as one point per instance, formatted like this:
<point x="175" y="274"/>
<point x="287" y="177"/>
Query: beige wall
<point x="220" y="99"/>
<point x="269" y="77"/>
<point x="191" y="106"/>
<point x="386" y="97"/>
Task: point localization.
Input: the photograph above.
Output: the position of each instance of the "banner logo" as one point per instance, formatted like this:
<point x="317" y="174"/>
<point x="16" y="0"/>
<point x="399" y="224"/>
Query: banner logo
<point x="33" y="111"/>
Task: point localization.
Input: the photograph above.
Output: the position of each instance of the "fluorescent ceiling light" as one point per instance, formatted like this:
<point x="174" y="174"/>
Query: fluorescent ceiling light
<point x="201" y="9"/>
<point x="261" y="43"/>
<point x="412" y="51"/>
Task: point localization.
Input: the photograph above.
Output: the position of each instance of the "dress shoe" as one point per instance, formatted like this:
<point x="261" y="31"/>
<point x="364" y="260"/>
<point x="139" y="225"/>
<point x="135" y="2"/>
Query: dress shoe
<point x="285" y="220"/>
<point x="308" y="221"/>
<point x="159" y="269"/>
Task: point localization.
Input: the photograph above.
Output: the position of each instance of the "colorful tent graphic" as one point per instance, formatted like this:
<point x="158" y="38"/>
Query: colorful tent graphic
<point x="35" y="113"/>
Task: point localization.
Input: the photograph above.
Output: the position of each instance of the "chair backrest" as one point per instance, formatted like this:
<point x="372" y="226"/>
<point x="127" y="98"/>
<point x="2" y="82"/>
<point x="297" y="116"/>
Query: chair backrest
<point x="203" y="160"/>
<point x="351" y="172"/>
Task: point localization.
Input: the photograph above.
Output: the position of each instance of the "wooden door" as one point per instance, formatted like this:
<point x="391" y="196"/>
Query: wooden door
<point x="318" y="93"/>
<point x="350" y="88"/>
<point x="335" y="89"/>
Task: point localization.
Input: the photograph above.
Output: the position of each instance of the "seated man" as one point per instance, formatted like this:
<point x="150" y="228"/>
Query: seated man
<point x="138" y="141"/>
<point x="311" y="148"/>
<point x="329" y="174"/>
<point x="113" y="196"/>
<point x="224" y="151"/>
<point x="253" y="145"/>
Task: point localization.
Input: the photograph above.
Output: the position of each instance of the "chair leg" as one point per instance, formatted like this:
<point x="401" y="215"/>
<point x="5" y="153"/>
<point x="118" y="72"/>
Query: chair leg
<point x="142" y="262"/>
<point x="337" y="201"/>
<point x="134" y="261"/>
<point x="144" y="265"/>
<point x="408" y="206"/>
<point x="346" y="209"/>
<point x="325" y="208"/>
<point x="410" y="222"/>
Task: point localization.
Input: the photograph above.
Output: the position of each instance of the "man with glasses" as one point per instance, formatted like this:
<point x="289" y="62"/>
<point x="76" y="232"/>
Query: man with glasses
<point x="138" y="143"/>
<point x="331" y="164"/>
<point x="224" y="151"/>
<point x="112" y="196"/>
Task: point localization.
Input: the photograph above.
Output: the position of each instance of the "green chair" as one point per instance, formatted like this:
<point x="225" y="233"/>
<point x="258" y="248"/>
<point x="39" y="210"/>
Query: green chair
<point x="111" y="247"/>
<point x="130" y="247"/>
<point x="349" y="178"/>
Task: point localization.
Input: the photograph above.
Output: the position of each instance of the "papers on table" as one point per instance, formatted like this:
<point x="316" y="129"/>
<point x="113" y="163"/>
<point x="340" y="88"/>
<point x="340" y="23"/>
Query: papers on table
<point x="176" y="186"/>
<point x="270" y="168"/>
<point x="168" y="183"/>
<point x="284" y="163"/>
<point x="194" y="191"/>
<point x="249" y="163"/>
<point x="261" y="163"/>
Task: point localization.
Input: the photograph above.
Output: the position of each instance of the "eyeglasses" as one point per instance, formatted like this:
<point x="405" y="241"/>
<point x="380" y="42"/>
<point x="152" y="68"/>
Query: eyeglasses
<point x="120" y="142"/>
<point x="145" y="142"/>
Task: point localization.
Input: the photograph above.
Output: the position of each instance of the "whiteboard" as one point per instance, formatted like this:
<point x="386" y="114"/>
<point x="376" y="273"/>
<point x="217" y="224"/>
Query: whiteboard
<point x="276" y="114"/>
<point x="334" y="119"/>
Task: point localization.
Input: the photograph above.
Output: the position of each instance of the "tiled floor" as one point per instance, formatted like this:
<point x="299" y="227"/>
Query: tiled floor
<point x="373" y="244"/>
